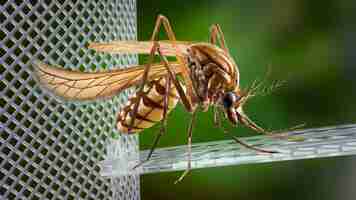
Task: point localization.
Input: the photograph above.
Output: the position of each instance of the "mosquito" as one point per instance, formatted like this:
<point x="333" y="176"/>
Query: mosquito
<point x="203" y="75"/>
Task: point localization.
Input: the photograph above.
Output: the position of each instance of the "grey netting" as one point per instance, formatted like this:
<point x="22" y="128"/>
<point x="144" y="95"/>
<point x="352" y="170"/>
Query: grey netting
<point x="50" y="149"/>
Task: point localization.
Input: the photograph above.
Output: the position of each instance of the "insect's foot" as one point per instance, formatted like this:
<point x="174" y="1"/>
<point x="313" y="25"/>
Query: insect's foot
<point x="265" y="151"/>
<point x="296" y="139"/>
<point x="186" y="172"/>
<point x="284" y="136"/>
<point x="139" y="164"/>
<point x="129" y="131"/>
<point x="270" y="151"/>
<point x="252" y="147"/>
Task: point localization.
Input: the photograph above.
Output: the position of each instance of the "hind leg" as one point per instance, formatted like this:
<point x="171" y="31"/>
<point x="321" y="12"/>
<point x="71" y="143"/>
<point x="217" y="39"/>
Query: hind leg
<point x="163" y="128"/>
<point x="217" y="34"/>
<point x="190" y="133"/>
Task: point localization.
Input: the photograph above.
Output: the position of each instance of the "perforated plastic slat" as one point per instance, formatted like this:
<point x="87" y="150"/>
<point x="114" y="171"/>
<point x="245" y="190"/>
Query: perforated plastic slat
<point x="317" y="143"/>
<point x="50" y="149"/>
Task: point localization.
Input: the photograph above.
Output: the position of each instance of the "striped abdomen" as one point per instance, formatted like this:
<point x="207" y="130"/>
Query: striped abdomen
<point x="150" y="109"/>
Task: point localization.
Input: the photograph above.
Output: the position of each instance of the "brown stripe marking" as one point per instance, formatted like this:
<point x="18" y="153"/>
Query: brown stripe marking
<point x="160" y="89"/>
<point x="133" y="127"/>
<point x="147" y="101"/>
<point x="143" y="118"/>
<point x="151" y="103"/>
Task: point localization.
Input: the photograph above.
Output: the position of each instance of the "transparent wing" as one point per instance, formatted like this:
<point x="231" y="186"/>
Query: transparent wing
<point x="139" y="47"/>
<point x="76" y="85"/>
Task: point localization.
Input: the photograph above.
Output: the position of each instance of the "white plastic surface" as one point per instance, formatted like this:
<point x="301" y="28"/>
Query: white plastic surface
<point x="317" y="143"/>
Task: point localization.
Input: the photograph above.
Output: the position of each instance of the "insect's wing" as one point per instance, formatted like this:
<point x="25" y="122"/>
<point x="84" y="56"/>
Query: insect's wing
<point x="139" y="47"/>
<point x="76" y="85"/>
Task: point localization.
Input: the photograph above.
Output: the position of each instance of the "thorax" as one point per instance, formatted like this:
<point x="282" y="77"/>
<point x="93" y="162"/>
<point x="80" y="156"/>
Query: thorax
<point x="212" y="70"/>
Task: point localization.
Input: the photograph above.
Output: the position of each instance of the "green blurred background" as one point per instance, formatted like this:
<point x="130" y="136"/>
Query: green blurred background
<point x="311" y="45"/>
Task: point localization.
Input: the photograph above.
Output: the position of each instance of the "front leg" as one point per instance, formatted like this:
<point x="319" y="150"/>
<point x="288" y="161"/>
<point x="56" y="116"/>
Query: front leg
<point x="237" y="140"/>
<point x="246" y="121"/>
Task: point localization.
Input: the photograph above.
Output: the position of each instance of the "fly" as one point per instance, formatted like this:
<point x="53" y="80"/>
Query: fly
<point x="208" y="77"/>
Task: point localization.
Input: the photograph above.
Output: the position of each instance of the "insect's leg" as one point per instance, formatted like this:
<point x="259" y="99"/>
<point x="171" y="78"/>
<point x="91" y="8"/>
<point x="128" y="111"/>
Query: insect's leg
<point x="162" y="20"/>
<point x="237" y="140"/>
<point x="246" y="121"/>
<point x="142" y="86"/>
<point x="190" y="133"/>
<point x="215" y="112"/>
<point x="163" y="128"/>
<point x="215" y="34"/>
<point x="280" y="134"/>
<point x="153" y="147"/>
<point x="248" y="146"/>
<point x="159" y="21"/>
<point x="166" y="104"/>
<point x="189" y="106"/>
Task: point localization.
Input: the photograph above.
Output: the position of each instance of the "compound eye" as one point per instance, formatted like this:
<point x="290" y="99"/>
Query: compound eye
<point x="229" y="99"/>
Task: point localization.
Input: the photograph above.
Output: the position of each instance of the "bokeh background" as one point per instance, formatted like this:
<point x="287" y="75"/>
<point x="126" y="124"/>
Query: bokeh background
<point x="311" y="45"/>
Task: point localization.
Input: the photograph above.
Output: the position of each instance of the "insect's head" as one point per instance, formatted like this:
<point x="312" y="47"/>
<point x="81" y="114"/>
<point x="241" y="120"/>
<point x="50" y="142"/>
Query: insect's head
<point x="233" y="102"/>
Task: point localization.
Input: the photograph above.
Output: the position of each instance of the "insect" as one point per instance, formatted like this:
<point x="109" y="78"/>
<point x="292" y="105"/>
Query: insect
<point x="204" y="75"/>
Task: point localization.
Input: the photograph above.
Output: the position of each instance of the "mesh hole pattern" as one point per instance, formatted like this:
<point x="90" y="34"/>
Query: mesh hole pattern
<point x="49" y="148"/>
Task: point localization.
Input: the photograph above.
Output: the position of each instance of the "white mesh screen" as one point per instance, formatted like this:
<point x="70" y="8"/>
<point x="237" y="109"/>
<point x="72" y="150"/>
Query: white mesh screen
<point x="50" y="149"/>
